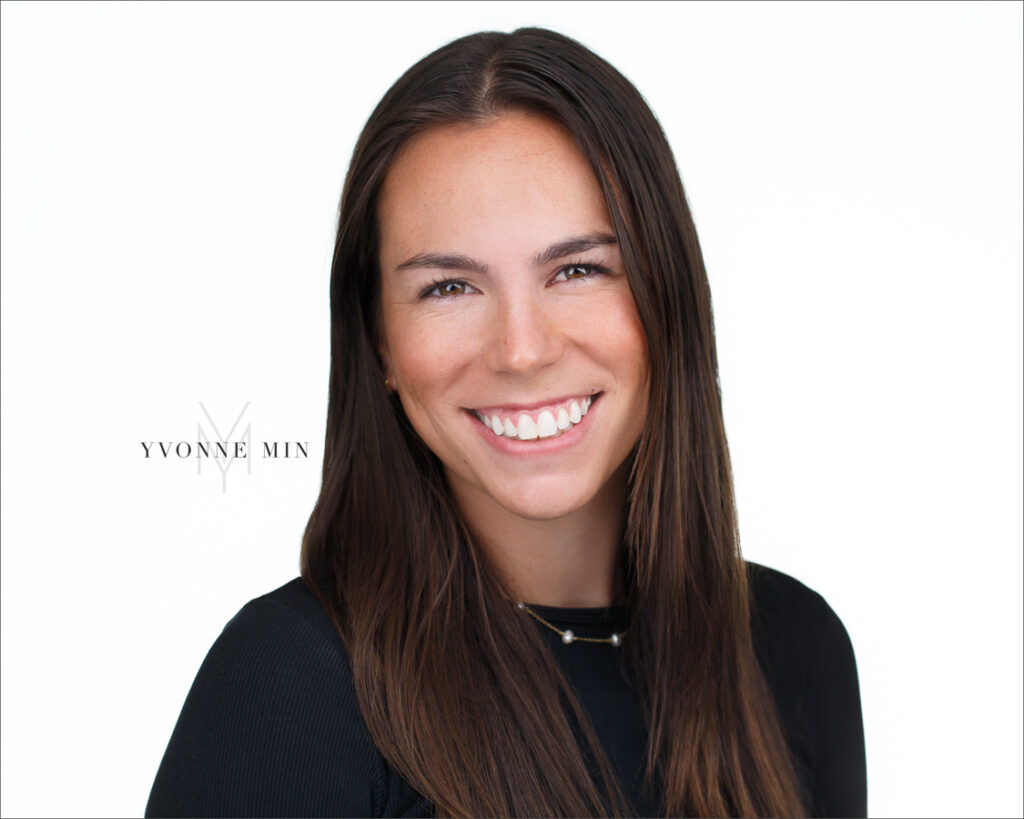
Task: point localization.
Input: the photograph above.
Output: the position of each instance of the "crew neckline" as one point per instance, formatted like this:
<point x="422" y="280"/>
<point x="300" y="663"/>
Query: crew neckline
<point x="595" y="615"/>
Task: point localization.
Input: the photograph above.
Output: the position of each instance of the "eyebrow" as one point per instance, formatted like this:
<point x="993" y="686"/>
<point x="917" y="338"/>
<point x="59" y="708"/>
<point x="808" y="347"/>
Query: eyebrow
<point x="457" y="261"/>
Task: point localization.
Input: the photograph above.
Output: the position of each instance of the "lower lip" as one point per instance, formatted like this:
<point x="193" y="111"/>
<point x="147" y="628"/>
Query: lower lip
<point x="538" y="446"/>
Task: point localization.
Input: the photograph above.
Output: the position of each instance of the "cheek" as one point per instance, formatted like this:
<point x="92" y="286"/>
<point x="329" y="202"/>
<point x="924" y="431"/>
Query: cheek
<point x="424" y="361"/>
<point x="622" y="338"/>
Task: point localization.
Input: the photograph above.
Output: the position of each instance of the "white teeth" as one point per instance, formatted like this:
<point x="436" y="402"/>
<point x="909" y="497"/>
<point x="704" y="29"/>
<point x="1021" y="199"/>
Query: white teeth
<point x="527" y="428"/>
<point x="546" y="426"/>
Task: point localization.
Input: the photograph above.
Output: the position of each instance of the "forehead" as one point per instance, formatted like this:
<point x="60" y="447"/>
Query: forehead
<point x="516" y="182"/>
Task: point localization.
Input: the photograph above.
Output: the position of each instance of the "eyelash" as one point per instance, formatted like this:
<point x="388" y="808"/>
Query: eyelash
<point x="595" y="269"/>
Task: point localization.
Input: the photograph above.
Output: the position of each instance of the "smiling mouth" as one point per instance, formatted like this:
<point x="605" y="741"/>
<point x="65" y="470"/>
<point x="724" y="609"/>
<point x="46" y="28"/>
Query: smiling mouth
<point x="549" y="422"/>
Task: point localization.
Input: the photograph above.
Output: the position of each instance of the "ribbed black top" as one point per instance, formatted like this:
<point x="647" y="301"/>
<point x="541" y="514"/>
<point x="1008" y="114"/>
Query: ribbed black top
<point x="271" y="726"/>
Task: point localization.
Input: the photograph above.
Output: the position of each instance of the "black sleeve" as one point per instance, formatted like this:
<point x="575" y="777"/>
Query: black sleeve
<point x="808" y="661"/>
<point x="841" y="773"/>
<point x="271" y="727"/>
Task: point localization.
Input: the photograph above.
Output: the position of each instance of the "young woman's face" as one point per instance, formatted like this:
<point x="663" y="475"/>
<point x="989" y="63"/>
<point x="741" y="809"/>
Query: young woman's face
<point x="509" y="328"/>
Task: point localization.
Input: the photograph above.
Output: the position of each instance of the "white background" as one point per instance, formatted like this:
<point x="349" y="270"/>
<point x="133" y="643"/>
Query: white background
<point x="170" y="182"/>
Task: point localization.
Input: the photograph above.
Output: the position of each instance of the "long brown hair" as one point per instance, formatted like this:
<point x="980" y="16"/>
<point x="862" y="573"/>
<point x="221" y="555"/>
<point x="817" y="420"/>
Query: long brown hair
<point x="459" y="691"/>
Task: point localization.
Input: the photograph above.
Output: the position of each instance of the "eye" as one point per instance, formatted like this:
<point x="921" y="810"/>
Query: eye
<point x="576" y="271"/>
<point x="446" y="289"/>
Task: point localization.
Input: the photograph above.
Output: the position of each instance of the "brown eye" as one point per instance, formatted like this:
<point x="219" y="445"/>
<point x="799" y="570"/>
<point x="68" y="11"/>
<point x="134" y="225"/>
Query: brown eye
<point x="572" y="272"/>
<point x="449" y="288"/>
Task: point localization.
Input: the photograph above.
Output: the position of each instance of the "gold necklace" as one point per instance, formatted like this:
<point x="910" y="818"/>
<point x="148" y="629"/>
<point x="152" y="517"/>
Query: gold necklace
<point x="567" y="635"/>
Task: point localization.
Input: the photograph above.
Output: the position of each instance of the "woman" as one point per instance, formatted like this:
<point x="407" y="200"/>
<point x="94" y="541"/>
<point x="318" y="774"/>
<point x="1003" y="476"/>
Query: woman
<point x="522" y="591"/>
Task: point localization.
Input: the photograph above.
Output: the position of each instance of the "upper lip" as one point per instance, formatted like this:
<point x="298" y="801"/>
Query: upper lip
<point x="535" y="405"/>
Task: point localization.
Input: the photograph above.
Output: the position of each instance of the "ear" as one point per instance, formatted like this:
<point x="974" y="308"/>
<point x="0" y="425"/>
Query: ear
<point x="376" y="329"/>
<point x="385" y="362"/>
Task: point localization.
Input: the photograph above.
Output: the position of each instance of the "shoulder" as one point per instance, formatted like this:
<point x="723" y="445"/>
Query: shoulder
<point x="799" y="639"/>
<point x="778" y="590"/>
<point x="788" y="614"/>
<point x="288" y="621"/>
<point x="281" y="650"/>
<point x="809" y="664"/>
<point x="272" y="725"/>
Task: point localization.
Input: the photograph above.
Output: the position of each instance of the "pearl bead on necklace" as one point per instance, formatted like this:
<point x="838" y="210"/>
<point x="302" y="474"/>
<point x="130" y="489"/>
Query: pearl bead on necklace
<point x="567" y="635"/>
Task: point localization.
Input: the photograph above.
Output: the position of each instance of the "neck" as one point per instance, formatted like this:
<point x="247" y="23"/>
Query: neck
<point x="574" y="561"/>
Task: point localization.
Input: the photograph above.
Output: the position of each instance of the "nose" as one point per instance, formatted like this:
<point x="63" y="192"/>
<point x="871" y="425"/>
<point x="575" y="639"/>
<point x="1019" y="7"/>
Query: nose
<point x="525" y="338"/>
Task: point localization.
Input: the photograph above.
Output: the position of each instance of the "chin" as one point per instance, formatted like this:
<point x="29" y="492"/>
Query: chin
<point x="538" y="503"/>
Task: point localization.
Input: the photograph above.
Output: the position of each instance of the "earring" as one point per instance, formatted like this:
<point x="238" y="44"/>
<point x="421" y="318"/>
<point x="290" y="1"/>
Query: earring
<point x="387" y="383"/>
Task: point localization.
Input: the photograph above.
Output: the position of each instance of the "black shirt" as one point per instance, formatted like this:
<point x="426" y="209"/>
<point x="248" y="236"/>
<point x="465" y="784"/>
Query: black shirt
<point x="272" y="727"/>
